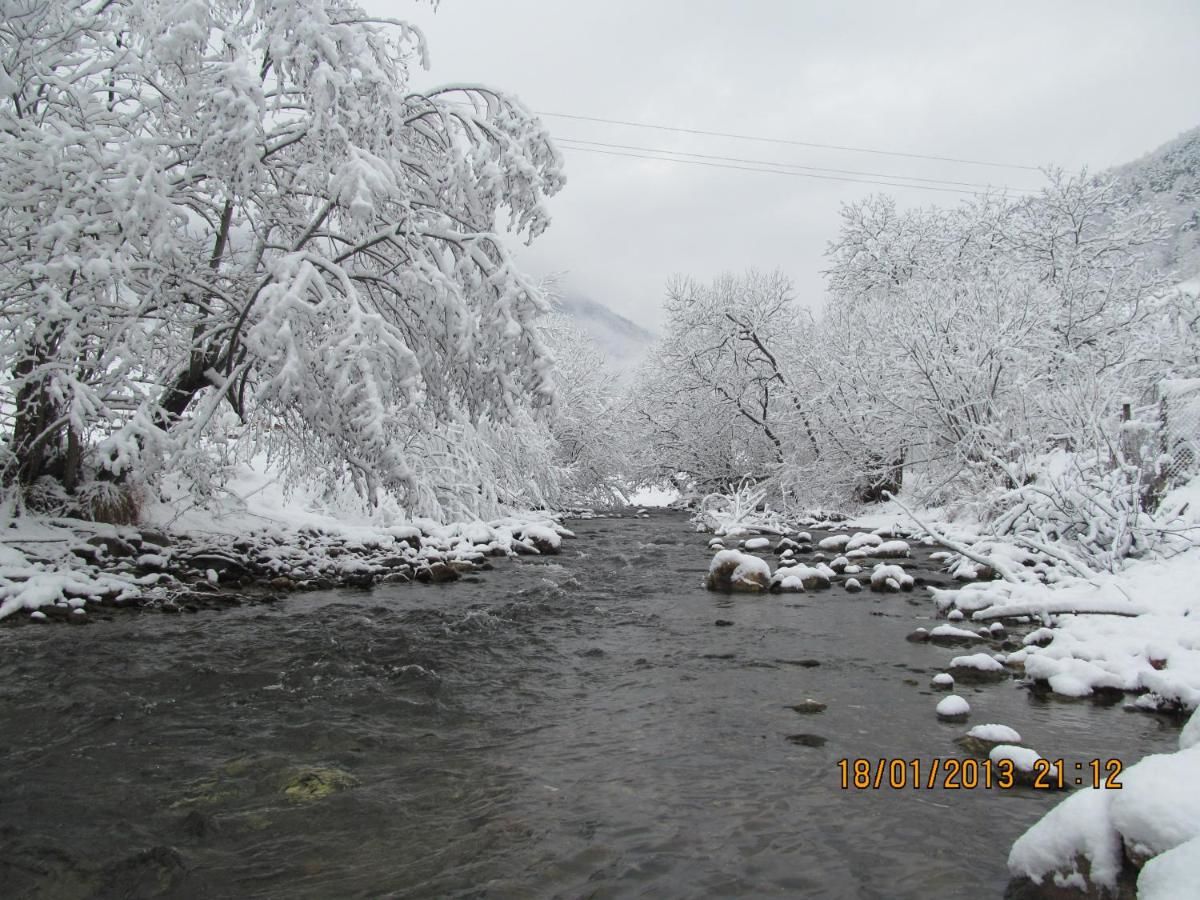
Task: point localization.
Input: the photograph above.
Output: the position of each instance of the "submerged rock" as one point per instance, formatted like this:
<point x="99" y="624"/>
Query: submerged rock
<point x="807" y="740"/>
<point x="306" y="785"/>
<point x="809" y="707"/>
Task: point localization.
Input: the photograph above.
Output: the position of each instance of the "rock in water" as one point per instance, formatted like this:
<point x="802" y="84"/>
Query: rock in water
<point x="809" y="707"/>
<point x="953" y="707"/>
<point x="732" y="570"/>
<point x="306" y="785"/>
<point x="806" y="740"/>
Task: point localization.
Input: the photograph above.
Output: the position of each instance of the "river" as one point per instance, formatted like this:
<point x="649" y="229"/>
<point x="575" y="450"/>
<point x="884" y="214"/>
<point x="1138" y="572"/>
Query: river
<point x="569" y="726"/>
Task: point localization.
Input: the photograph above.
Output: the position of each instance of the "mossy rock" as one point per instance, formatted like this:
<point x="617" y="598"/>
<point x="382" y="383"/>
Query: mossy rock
<point x="210" y="792"/>
<point x="306" y="785"/>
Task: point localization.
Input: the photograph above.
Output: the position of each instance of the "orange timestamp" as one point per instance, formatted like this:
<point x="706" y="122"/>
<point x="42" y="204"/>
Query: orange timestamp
<point x="953" y="774"/>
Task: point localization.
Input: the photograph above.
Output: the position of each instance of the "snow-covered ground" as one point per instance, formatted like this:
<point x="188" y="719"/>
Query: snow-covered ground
<point x="257" y="534"/>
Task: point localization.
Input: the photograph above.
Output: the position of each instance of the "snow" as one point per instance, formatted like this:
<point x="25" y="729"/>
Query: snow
<point x="1152" y="643"/>
<point x="746" y="567"/>
<point x="950" y="631"/>
<point x="758" y="543"/>
<point x="884" y="572"/>
<point x="980" y="661"/>
<point x="1156" y="813"/>
<point x="1173" y="875"/>
<point x="810" y="577"/>
<point x="834" y="542"/>
<point x="1159" y="805"/>
<point x="943" y="679"/>
<point x="891" y="548"/>
<point x="1022" y="758"/>
<point x="653" y="496"/>
<point x="1076" y="827"/>
<point x="1000" y="734"/>
<point x="541" y="534"/>
<point x="863" y="539"/>
<point x="953" y="706"/>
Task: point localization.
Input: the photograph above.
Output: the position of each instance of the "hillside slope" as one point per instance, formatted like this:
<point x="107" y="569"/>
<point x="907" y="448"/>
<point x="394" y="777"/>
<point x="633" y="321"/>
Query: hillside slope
<point x="1168" y="180"/>
<point x="623" y="342"/>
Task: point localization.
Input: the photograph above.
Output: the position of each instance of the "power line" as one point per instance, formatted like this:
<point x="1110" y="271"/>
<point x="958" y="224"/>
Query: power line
<point x="717" y="165"/>
<point x="767" y="140"/>
<point x="783" y="165"/>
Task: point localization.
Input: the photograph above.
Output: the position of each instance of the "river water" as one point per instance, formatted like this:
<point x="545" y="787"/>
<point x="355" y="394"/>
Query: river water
<point x="570" y="726"/>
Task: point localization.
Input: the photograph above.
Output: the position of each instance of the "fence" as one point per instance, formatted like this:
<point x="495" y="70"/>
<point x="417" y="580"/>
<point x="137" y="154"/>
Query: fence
<point x="1163" y="439"/>
<point x="1179" y="429"/>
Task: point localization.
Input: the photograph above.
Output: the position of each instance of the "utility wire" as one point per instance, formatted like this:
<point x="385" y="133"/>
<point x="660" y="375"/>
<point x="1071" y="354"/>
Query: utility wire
<point x="784" y="165"/>
<point x="767" y="140"/>
<point x="717" y="165"/>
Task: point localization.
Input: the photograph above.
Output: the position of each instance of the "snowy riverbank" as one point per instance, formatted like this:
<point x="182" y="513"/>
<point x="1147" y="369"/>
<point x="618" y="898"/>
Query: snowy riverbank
<point x="1134" y="631"/>
<point x="256" y="542"/>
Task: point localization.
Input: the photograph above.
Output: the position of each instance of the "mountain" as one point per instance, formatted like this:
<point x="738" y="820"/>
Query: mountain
<point x="625" y="343"/>
<point x="1168" y="180"/>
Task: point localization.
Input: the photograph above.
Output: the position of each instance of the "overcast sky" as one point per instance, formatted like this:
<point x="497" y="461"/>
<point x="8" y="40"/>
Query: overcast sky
<point x="1067" y="83"/>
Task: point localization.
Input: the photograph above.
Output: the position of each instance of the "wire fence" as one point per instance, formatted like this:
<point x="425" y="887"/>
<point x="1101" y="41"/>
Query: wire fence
<point x="1179" y="430"/>
<point x="1163" y="438"/>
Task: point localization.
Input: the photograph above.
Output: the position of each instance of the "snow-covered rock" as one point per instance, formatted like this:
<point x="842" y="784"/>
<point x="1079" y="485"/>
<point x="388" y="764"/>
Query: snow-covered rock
<point x="808" y="577"/>
<point x="951" y="635"/>
<point x="997" y="734"/>
<point x="977" y="668"/>
<point x="735" y="571"/>
<point x="834" y="542"/>
<point x="953" y="707"/>
<point x="890" y="578"/>
<point x="982" y="739"/>
<point x="863" y="539"/>
<point x="1155" y="815"/>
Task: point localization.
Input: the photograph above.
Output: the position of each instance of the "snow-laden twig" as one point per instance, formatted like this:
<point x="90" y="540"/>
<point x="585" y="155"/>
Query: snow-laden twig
<point x="998" y="567"/>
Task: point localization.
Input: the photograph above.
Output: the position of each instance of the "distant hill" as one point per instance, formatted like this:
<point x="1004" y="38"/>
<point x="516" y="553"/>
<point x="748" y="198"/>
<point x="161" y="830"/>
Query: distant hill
<point x="623" y="342"/>
<point x="1168" y="179"/>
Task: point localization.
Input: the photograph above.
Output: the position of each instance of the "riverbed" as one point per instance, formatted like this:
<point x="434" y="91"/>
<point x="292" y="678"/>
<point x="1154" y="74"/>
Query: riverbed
<point x="567" y="726"/>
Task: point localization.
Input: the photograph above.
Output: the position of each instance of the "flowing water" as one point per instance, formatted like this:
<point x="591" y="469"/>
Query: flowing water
<point x="571" y="726"/>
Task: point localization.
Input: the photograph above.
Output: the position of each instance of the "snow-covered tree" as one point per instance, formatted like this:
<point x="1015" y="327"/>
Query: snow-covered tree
<point x="245" y="203"/>
<point x="721" y="393"/>
<point x="590" y="423"/>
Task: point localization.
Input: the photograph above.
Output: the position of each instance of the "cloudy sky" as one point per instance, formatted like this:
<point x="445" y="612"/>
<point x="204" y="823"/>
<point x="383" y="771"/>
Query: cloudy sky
<point x="1069" y="83"/>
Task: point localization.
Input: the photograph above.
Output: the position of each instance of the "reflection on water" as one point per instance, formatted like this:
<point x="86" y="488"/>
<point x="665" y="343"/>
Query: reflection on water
<point x="569" y="727"/>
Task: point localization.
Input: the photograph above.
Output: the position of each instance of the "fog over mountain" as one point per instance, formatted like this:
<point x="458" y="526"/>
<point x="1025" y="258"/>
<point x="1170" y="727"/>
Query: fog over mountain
<point x="623" y="342"/>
